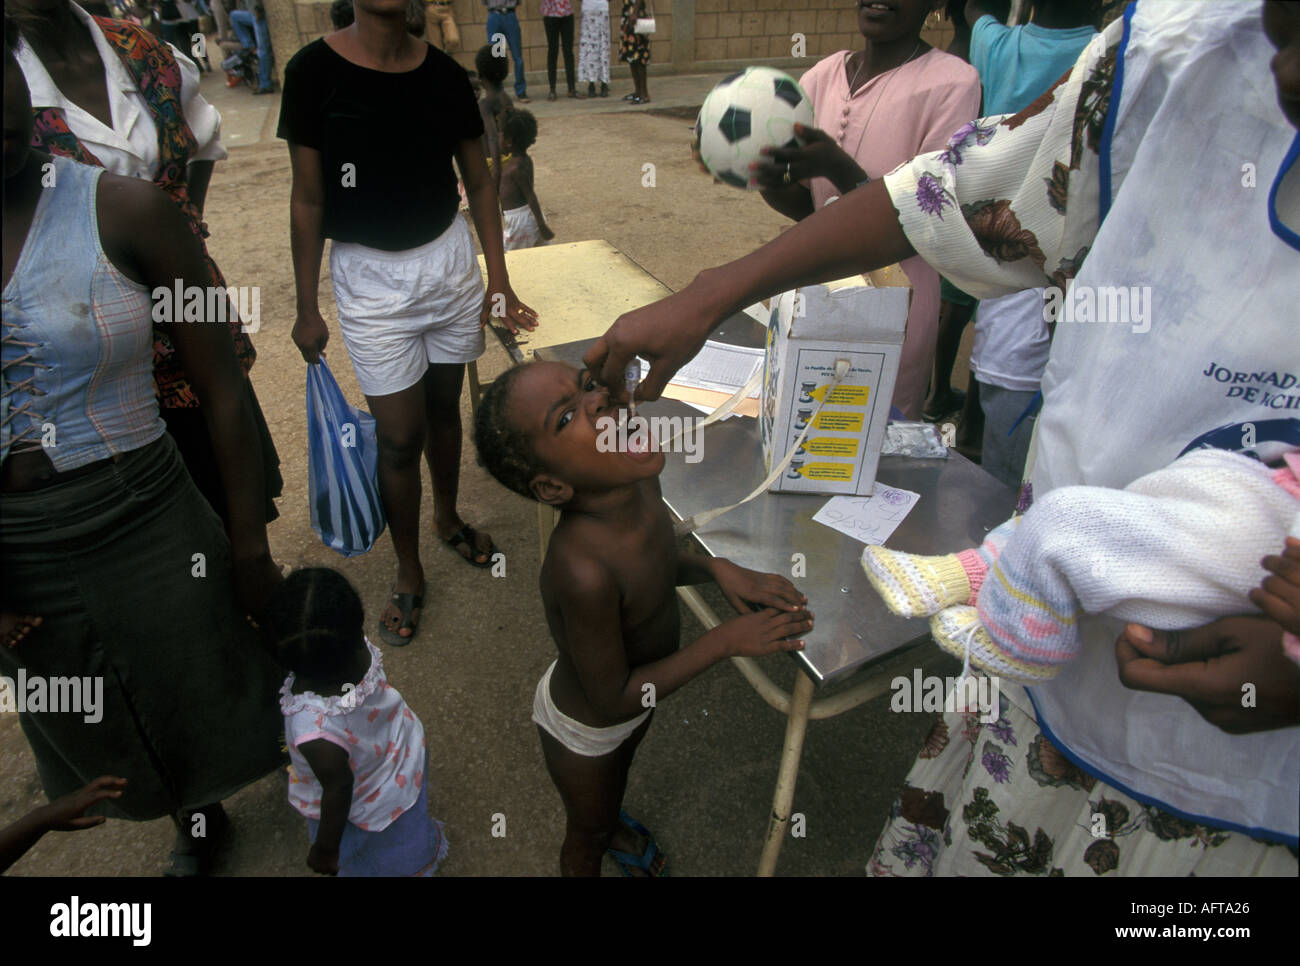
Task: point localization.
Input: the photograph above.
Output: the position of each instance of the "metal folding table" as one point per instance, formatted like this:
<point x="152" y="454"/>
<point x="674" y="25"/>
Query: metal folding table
<point x="855" y="635"/>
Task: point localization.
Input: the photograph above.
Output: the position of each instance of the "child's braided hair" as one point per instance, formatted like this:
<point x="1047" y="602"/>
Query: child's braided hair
<point x="314" y="622"/>
<point x="505" y="450"/>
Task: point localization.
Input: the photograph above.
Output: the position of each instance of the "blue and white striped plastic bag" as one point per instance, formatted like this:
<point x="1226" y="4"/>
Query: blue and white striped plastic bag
<point x="342" y="467"/>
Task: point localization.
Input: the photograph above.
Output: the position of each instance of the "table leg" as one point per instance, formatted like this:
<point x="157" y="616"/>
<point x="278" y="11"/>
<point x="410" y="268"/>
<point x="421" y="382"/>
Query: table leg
<point x="795" y="728"/>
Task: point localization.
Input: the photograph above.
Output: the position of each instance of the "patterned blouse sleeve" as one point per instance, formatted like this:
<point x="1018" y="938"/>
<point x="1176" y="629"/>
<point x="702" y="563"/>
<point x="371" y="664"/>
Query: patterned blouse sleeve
<point x="204" y="119"/>
<point x="1012" y="202"/>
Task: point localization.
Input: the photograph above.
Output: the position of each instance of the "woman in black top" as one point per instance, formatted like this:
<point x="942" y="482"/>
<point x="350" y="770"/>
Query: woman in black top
<point x="373" y="118"/>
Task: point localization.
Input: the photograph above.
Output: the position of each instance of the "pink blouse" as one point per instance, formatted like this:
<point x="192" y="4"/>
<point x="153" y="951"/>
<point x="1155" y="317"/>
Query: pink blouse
<point x="557" y="8"/>
<point x="904" y="112"/>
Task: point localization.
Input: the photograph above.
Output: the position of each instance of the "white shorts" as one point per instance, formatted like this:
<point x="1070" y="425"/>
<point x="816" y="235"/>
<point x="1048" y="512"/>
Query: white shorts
<point x="400" y="311"/>
<point x="581" y="739"/>
<point x="520" y="229"/>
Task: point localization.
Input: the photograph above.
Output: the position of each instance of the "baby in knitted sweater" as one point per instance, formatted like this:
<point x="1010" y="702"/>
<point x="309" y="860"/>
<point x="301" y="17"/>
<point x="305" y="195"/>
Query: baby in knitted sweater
<point x="1177" y="548"/>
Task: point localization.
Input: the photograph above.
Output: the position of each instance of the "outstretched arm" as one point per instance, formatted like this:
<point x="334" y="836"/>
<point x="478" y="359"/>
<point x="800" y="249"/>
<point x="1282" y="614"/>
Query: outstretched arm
<point x="858" y="233"/>
<point x="66" y="814"/>
<point x="588" y="598"/>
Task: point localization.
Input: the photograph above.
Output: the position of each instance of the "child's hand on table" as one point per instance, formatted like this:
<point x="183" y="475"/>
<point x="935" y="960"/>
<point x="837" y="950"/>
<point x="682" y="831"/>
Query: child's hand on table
<point x="322" y="860"/>
<point x="515" y="313"/>
<point x="547" y="233"/>
<point x="1279" y="596"/>
<point x="764" y="632"/>
<point x="745" y="588"/>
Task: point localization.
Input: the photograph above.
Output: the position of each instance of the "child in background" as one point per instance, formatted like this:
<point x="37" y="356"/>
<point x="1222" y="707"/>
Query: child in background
<point x="522" y="219"/>
<point x="1176" y="548"/>
<point x="608" y="586"/>
<point x="357" y="750"/>
<point x="492" y="103"/>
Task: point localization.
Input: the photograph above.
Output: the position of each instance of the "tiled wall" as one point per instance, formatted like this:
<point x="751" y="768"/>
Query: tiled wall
<point x="713" y="31"/>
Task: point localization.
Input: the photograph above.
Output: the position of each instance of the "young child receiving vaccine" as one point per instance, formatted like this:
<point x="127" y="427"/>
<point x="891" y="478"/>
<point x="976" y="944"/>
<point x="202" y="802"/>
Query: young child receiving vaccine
<point x="357" y="751"/>
<point x="1177" y="548"/>
<point x="608" y="585"/>
<point x="521" y="216"/>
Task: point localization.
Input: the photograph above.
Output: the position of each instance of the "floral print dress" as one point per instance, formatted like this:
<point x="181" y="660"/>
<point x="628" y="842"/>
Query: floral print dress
<point x="636" y="47"/>
<point x="593" y="44"/>
<point x="1001" y="799"/>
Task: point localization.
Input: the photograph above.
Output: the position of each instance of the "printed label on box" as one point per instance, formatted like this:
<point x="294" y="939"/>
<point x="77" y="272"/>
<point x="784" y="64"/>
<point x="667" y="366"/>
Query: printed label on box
<point x="863" y="328"/>
<point x="843" y="395"/>
<point x="846" y="446"/>
<point x="839" y="422"/>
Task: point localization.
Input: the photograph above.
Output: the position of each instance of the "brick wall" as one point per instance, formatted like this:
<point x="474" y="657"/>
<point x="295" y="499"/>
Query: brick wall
<point x="712" y="34"/>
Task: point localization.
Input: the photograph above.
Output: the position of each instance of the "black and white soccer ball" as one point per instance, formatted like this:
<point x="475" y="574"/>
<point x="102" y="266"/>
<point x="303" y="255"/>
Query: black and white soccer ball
<point x="746" y="112"/>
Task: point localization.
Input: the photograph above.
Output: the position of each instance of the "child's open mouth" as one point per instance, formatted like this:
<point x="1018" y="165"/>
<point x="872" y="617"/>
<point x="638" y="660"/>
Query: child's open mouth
<point x="640" y="445"/>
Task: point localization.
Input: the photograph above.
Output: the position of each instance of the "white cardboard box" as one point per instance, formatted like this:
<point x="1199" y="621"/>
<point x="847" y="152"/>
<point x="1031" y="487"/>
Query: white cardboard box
<point x="810" y="330"/>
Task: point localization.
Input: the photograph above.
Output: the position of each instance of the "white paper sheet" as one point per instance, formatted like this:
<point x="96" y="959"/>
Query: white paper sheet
<point x="869" y="519"/>
<point x="720" y="367"/>
<point x="760" y="313"/>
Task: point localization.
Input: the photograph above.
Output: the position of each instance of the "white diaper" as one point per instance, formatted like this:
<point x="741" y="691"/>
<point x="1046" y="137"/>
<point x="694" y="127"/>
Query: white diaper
<point x="521" y="228"/>
<point x="579" y="738"/>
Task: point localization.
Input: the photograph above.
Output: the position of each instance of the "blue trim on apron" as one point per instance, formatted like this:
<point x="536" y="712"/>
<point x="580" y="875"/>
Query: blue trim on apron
<point x="1112" y="112"/>
<point x="1266" y="835"/>
<point x="1284" y="232"/>
<point x="1107" y="135"/>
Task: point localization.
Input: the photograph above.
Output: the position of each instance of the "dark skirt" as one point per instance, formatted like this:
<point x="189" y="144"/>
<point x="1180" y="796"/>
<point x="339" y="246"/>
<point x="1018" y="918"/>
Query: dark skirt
<point x="189" y="711"/>
<point x="189" y="428"/>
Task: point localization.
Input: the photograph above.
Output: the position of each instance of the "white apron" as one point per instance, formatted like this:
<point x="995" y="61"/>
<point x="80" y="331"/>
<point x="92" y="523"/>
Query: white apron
<point x="1220" y="362"/>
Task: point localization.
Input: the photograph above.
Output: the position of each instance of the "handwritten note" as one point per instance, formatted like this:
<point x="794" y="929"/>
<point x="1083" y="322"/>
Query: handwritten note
<point x="870" y="519"/>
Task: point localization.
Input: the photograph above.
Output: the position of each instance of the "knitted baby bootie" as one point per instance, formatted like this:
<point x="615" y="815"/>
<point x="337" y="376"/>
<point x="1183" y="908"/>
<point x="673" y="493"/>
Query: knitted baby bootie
<point x="913" y="585"/>
<point x="958" y="631"/>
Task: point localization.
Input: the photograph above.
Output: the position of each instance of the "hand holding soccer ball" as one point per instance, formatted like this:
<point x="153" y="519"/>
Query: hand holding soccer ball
<point x="754" y="109"/>
<point x="817" y="157"/>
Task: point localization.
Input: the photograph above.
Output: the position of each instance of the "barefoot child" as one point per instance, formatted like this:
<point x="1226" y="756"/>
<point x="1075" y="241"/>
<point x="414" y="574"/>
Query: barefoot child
<point x="524" y="225"/>
<point x="608" y="588"/>
<point x="493" y="101"/>
<point x="1176" y="548"/>
<point x="357" y="750"/>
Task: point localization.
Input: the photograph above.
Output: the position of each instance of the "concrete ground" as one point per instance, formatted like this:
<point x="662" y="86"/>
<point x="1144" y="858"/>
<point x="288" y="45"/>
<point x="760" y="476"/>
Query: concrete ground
<point x="704" y="776"/>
